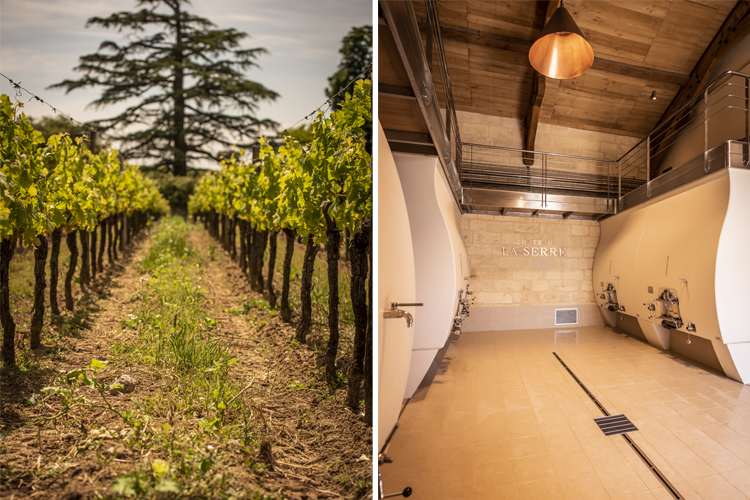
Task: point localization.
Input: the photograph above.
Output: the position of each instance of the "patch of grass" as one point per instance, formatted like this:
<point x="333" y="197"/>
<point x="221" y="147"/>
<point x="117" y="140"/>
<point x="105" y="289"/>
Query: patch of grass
<point x="175" y="337"/>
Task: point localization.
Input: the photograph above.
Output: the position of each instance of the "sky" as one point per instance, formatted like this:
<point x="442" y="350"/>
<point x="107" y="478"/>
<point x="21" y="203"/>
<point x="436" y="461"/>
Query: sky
<point x="41" y="41"/>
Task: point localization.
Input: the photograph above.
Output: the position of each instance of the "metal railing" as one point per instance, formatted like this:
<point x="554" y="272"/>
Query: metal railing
<point x="499" y="167"/>
<point x="710" y="132"/>
<point x="434" y="46"/>
<point x="695" y="134"/>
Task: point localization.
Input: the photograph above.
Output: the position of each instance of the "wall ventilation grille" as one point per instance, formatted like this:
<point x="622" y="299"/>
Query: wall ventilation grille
<point x="566" y="316"/>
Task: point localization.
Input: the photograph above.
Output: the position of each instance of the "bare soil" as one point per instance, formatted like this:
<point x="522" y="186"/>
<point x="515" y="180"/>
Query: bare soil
<point x="315" y="447"/>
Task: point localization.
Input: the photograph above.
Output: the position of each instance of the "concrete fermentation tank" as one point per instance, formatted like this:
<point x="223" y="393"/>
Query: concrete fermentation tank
<point x="678" y="267"/>
<point x="439" y="257"/>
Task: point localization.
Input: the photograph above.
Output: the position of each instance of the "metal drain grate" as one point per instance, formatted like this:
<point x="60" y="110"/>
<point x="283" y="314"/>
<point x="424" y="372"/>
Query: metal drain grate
<point x="615" y="424"/>
<point x="661" y="477"/>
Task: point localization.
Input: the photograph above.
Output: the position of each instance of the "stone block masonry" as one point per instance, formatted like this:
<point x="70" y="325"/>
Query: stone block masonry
<point x="525" y="268"/>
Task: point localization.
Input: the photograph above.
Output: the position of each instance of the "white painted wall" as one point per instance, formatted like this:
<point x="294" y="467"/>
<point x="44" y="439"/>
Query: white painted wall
<point x="396" y="283"/>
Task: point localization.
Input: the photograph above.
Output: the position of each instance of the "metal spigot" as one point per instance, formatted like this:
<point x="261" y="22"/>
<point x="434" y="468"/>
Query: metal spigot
<point x="395" y="312"/>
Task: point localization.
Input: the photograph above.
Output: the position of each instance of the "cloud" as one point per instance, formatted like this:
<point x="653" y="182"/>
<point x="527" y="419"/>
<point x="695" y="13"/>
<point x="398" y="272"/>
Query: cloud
<point x="41" y="41"/>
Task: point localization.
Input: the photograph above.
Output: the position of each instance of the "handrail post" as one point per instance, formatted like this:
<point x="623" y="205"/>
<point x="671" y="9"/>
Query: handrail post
<point x="648" y="159"/>
<point x="705" y="130"/>
<point x="746" y="146"/>
<point x="619" y="185"/>
<point x="544" y="181"/>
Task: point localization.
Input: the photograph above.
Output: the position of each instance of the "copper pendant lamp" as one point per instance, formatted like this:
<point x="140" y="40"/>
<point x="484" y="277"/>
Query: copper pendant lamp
<point x="561" y="51"/>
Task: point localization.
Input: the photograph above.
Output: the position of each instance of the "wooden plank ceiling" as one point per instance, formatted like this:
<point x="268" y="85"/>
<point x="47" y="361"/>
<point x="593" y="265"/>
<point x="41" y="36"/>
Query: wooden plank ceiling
<point x="640" y="47"/>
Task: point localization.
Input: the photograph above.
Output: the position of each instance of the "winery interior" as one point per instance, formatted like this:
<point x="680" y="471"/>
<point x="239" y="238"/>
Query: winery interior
<point x="563" y="200"/>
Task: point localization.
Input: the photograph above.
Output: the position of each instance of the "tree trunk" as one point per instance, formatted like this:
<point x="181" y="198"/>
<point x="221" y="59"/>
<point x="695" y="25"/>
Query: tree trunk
<point x="233" y="237"/>
<point x="111" y="235"/>
<point x="100" y="260"/>
<point x="178" y="94"/>
<point x="243" y="246"/>
<point x="271" y="263"/>
<point x="54" y="271"/>
<point x="71" y="241"/>
<point x="347" y="243"/>
<point x="93" y="252"/>
<point x="123" y="232"/>
<point x="252" y="249"/>
<point x="368" y="339"/>
<point x="359" y="264"/>
<point x="308" y="266"/>
<point x="84" y="279"/>
<point x="333" y="249"/>
<point x="286" y="313"/>
<point x="225" y="232"/>
<point x="7" y="249"/>
<point x="260" y="240"/>
<point x="40" y="283"/>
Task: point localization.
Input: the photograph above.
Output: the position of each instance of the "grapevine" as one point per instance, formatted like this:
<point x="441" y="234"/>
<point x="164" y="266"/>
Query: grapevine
<point x="317" y="192"/>
<point x="54" y="186"/>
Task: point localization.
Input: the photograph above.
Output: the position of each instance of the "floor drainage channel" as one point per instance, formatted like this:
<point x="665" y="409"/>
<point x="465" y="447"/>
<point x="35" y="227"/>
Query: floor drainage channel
<point x="623" y="421"/>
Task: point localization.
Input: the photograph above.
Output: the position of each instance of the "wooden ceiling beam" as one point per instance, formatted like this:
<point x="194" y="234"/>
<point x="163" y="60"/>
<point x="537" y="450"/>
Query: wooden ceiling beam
<point x="538" y="89"/>
<point x="520" y="45"/>
<point x="735" y="28"/>
<point x="534" y="111"/>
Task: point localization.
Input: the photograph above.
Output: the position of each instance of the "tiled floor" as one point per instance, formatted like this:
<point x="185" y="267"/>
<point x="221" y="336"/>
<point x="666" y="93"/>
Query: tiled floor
<point x="503" y="419"/>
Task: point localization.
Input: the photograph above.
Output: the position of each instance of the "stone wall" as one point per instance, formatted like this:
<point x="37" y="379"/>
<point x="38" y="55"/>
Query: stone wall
<point x="523" y="268"/>
<point x="518" y="290"/>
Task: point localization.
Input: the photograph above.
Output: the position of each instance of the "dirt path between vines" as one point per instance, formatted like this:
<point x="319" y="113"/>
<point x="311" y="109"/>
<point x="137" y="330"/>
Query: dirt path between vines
<point x="25" y="450"/>
<point x="321" y="448"/>
<point x="318" y="447"/>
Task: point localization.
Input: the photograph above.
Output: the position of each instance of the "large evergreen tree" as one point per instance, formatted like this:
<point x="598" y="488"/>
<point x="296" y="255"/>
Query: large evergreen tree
<point x="356" y="56"/>
<point x="188" y="79"/>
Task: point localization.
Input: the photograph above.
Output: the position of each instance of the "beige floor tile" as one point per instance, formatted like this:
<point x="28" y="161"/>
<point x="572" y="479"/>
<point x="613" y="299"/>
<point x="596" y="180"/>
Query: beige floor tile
<point x="742" y="426"/>
<point x="699" y="418"/>
<point x="498" y="492"/>
<point x="662" y="494"/>
<point x="585" y="486"/>
<point x="528" y="428"/>
<point x="504" y="419"/>
<point x="570" y="462"/>
<point x="492" y="428"/>
<point x="538" y="468"/>
<point x="620" y="480"/>
<point x="665" y="395"/>
<point x="685" y="490"/>
<point x="681" y="406"/>
<point x="676" y="423"/>
<point x="561" y="441"/>
<point x="701" y="402"/>
<point x="716" y="455"/>
<point x="527" y="446"/>
<point x="540" y="490"/>
<point x="739" y="478"/>
<point x="716" y="487"/>
<point x="659" y="410"/>
<point x="453" y="481"/>
<point x="486" y="476"/>
<point x="641" y="495"/>
<point x="724" y="415"/>
<point x="492" y="451"/>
